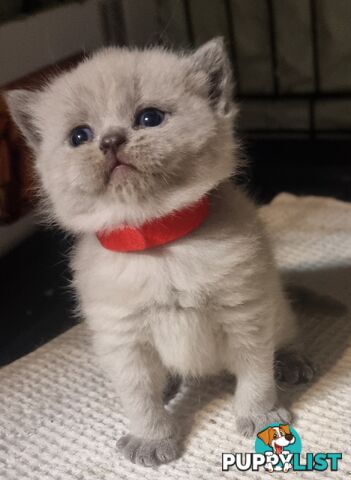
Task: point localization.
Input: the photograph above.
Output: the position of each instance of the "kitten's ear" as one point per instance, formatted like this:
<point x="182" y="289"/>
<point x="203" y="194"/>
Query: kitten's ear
<point x="212" y="58"/>
<point x="20" y="104"/>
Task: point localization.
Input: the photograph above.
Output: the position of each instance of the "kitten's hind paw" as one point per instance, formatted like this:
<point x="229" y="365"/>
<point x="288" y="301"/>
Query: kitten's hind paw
<point x="293" y="368"/>
<point x="148" y="453"/>
<point x="251" y="424"/>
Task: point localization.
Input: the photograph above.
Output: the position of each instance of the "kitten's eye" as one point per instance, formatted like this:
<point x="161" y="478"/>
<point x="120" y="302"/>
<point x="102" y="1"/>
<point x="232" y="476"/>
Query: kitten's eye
<point x="150" y="117"/>
<point x="80" y="135"/>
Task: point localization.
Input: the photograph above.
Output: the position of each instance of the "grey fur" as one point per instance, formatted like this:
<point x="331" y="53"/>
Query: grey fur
<point x="209" y="302"/>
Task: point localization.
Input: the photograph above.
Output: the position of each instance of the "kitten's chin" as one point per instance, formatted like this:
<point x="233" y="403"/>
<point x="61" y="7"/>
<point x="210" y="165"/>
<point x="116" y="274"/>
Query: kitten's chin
<point x="122" y="206"/>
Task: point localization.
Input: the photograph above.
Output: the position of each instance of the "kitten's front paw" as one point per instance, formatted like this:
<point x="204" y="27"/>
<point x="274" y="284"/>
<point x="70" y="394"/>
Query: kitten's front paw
<point x="251" y="424"/>
<point x="148" y="452"/>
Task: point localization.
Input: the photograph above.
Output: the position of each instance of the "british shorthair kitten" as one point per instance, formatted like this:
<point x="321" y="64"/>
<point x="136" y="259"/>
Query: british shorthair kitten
<point x="135" y="152"/>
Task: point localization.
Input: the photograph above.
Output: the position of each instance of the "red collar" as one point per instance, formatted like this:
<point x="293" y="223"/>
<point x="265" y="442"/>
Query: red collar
<point x="156" y="232"/>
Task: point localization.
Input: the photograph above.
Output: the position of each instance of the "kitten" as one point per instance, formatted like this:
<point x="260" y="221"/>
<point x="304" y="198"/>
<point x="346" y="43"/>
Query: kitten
<point x="127" y="137"/>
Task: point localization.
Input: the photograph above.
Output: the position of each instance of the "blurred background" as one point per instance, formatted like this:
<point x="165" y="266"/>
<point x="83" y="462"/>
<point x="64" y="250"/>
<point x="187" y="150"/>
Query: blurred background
<point x="292" y="64"/>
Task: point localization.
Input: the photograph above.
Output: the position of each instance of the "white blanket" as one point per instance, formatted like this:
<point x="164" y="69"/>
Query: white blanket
<point x="59" y="418"/>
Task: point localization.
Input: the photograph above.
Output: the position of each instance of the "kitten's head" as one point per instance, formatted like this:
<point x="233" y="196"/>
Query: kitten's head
<point x="129" y="135"/>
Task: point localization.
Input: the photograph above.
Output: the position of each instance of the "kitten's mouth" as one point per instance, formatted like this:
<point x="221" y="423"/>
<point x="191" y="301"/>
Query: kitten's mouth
<point x="119" y="164"/>
<point x="119" y="167"/>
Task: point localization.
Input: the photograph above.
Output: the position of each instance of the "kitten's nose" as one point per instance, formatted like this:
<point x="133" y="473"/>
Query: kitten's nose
<point x="112" y="141"/>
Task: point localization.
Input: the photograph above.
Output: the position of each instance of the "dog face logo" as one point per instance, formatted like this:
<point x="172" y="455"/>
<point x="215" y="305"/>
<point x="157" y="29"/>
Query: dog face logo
<point x="277" y="438"/>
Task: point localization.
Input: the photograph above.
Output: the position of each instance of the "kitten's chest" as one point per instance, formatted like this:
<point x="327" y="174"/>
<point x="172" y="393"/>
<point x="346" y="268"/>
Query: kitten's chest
<point x="182" y="275"/>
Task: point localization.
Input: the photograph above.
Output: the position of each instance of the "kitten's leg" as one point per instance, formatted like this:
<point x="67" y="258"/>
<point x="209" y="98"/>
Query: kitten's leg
<point x="140" y="379"/>
<point x="255" y="398"/>
<point x="250" y="357"/>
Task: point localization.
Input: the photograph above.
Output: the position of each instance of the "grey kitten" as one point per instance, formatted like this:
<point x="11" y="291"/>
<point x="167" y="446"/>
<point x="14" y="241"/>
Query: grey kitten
<point x="129" y="136"/>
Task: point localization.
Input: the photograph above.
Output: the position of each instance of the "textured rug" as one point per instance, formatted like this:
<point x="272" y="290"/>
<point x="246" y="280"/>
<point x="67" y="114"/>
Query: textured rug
<point x="59" y="418"/>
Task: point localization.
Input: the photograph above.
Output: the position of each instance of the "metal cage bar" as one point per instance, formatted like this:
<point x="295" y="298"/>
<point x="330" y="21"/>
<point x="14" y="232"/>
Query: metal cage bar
<point x="232" y="43"/>
<point x="189" y="22"/>
<point x="273" y="45"/>
<point x="311" y="98"/>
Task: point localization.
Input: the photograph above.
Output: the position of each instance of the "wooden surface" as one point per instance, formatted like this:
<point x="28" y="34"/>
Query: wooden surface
<point x="17" y="184"/>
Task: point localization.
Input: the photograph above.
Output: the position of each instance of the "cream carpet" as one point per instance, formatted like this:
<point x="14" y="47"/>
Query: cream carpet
<point x="59" y="419"/>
